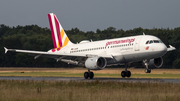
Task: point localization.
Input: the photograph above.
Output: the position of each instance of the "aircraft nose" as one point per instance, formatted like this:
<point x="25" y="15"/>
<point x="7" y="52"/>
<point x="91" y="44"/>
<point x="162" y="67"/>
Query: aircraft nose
<point x="162" y="48"/>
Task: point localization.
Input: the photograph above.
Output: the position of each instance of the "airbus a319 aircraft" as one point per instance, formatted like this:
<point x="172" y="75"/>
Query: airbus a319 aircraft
<point x="96" y="55"/>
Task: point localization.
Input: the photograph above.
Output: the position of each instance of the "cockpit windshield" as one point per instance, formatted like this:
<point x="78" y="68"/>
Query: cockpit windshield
<point x="153" y="41"/>
<point x="147" y="42"/>
<point x="150" y="42"/>
<point x="156" y="41"/>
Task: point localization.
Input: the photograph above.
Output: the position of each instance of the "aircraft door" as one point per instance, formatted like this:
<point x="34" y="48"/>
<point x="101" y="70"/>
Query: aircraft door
<point x="136" y="45"/>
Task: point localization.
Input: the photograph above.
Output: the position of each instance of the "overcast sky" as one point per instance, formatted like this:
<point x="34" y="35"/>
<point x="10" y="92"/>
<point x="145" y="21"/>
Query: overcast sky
<point x="89" y="15"/>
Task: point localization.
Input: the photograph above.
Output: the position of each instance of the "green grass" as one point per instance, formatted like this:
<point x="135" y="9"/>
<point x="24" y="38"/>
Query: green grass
<point x="66" y="74"/>
<point x="27" y="90"/>
<point x="45" y="74"/>
<point x="175" y="76"/>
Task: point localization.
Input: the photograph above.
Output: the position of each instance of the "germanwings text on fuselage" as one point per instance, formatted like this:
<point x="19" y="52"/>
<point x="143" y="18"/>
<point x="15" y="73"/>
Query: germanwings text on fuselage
<point x="120" y="41"/>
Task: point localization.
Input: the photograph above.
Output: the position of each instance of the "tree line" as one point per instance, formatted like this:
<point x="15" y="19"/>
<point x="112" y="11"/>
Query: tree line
<point x="33" y="37"/>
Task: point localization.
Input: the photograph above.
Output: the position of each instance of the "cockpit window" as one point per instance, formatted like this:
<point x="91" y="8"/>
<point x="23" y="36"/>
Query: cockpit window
<point x="150" y="42"/>
<point x="147" y="42"/>
<point x="156" y="41"/>
<point x="153" y="41"/>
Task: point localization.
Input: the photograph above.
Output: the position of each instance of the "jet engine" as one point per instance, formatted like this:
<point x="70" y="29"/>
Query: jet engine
<point x="95" y="63"/>
<point x="154" y="63"/>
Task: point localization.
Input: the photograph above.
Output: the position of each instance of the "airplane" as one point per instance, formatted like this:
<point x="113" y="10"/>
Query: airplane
<point x="96" y="55"/>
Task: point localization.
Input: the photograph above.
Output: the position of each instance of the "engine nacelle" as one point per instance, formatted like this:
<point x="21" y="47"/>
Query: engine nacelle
<point x="95" y="63"/>
<point x="155" y="63"/>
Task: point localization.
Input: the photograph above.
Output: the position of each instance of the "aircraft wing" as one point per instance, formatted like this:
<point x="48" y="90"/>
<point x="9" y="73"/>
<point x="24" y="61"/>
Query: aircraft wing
<point x="55" y="55"/>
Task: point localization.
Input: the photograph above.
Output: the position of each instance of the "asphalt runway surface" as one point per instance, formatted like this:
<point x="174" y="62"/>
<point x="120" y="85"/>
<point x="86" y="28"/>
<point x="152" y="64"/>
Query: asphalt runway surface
<point x="143" y="80"/>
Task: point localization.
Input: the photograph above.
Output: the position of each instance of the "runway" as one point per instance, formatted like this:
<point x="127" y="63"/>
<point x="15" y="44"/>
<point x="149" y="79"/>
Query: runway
<point x="143" y="80"/>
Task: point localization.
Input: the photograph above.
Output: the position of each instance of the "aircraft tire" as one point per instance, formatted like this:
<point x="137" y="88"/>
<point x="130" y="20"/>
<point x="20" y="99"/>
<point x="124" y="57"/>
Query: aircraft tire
<point x="128" y="73"/>
<point x="147" y="70"/>
<point x="86" y="75"/>
<point x="123" y="74"/>
<point x="91" y="75"/>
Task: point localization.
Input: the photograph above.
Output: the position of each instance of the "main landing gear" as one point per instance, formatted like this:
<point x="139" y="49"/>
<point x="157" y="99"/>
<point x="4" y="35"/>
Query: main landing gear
<point x="126" y="73"/>
<point x="88" y="74"/>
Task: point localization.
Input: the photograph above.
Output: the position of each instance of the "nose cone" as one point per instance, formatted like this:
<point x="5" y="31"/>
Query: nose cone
<point x="162" y="48"/>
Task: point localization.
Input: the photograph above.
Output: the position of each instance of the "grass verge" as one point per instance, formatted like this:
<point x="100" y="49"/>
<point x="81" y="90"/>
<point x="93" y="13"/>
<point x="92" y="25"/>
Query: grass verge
<point x="27" y="90"/>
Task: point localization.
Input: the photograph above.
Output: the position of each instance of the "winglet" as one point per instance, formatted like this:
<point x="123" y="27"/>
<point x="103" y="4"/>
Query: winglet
<point x="171" y="48"/>
<point x="5" y="50"/>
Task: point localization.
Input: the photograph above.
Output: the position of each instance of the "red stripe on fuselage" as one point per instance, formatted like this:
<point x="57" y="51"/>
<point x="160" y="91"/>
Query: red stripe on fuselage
<point x="52" y="31"/>
<point x="58" y="31"/>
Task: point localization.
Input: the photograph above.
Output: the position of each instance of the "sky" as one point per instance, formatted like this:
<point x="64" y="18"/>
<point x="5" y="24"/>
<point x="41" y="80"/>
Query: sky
<point x="90" y="15"/>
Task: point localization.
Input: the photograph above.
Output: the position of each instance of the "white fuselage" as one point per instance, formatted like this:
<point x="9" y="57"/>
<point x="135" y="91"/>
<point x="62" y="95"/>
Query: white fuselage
<point x="126" y="49"/>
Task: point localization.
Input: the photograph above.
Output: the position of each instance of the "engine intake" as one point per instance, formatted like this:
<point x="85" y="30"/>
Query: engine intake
<point x="154" y="63"/>
<point x="95" y="63"/>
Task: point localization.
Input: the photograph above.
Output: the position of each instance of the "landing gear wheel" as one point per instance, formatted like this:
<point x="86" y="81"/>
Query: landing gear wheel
<point x="128" y="73"/>
<point x="123" y="74"/>
<point x="91" y="75"/>
<point x="86" y="75"/>
<point x="147" y="70"/>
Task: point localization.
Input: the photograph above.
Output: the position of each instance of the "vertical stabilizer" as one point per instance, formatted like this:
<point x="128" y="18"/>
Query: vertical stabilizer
<point x="59" y="37"/>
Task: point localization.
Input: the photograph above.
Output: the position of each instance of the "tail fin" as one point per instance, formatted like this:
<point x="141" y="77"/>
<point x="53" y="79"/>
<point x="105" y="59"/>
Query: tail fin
<point x="59" y="37"/>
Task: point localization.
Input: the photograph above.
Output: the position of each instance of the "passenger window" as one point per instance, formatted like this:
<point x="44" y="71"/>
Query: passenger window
<point x="147" y="42"/>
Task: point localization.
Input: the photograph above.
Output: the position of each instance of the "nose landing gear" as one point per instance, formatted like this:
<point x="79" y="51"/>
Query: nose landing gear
<point x="147" y="70"/>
